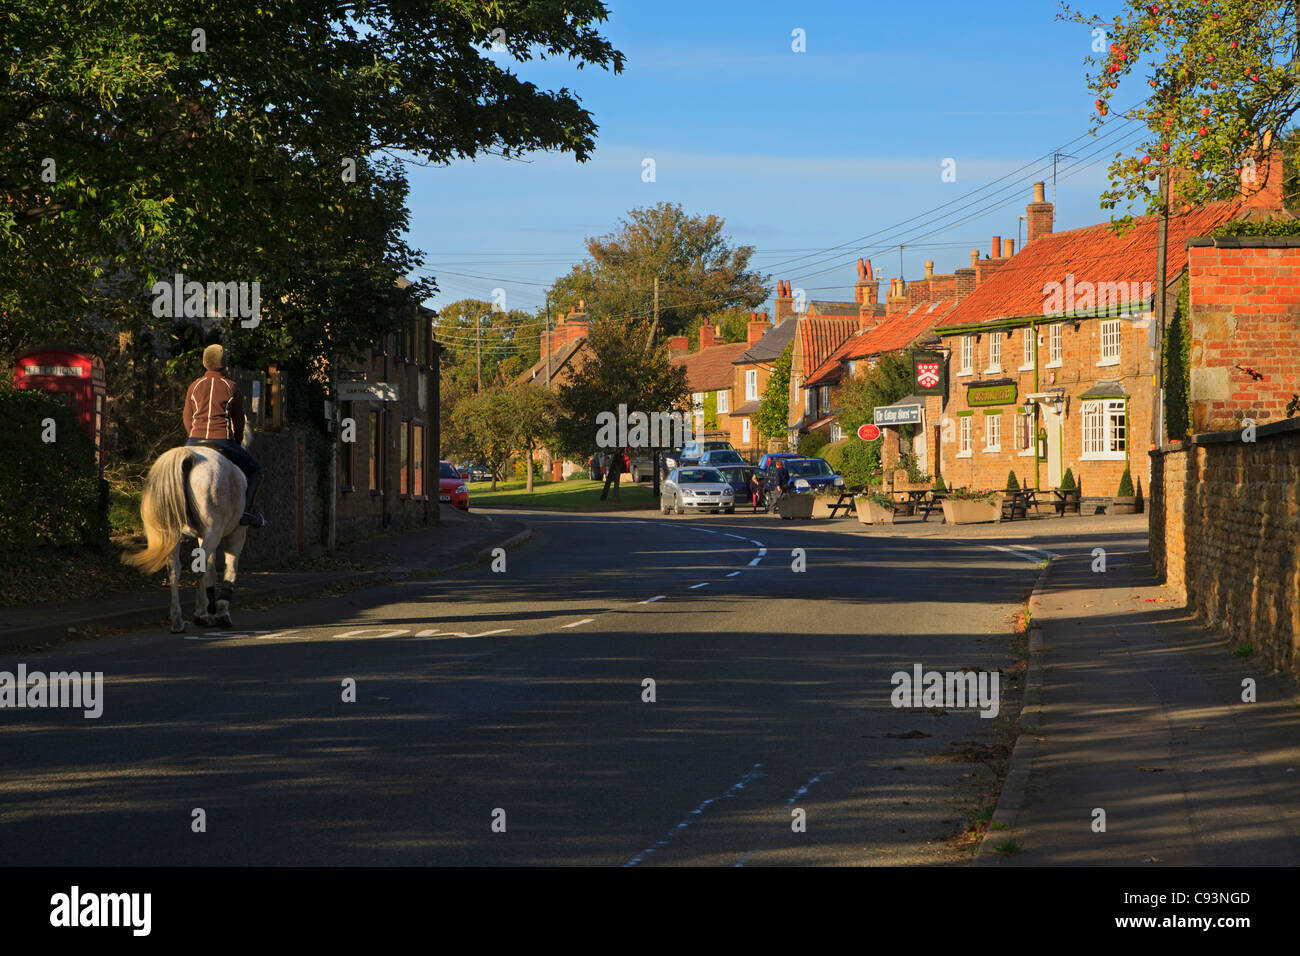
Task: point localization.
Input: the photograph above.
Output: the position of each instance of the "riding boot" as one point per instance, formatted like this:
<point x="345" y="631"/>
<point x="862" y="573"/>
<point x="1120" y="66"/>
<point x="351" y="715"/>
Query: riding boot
<point x="252" y="518"/>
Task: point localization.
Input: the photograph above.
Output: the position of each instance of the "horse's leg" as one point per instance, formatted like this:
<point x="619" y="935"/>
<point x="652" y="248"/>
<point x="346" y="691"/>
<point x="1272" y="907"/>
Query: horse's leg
<point x="174" y="576"/>
<point x="233" y="545"/>
<point x="202" y="612"/>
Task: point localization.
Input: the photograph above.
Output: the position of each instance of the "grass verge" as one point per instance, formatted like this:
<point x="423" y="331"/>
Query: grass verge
<point x="574" y="495"/>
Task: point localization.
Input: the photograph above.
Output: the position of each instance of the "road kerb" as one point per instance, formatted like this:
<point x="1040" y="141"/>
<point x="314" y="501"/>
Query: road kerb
<point x="1012" y="797"/>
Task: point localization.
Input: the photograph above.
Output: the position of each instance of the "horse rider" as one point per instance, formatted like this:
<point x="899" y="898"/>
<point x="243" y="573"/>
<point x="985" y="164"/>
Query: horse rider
<point x="214" y="416"/>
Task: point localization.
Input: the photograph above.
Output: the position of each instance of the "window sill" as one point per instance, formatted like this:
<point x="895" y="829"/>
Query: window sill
<point x="993" y="371"/>
<point x="965" y="372"/>
<point x="1106" y="363"/>
<point x="1026" y="454"/>
<point x="1111" y="456"/>
<point x="963" y="454"/>
<point x="1056" y="364"/>
<point x="1025" y="368"/>
<point x="993" y="451"/>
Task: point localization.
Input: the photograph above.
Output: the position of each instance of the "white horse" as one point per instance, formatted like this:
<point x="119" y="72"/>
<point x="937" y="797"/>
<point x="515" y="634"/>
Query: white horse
<point x="195" y="491"/>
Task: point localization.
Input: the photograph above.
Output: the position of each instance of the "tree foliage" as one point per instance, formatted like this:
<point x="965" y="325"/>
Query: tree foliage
<point x="700" y="272"/>
<point x="619" y="369"/>
<point x="773" y="414"/>
<point x="1214" y="77"/>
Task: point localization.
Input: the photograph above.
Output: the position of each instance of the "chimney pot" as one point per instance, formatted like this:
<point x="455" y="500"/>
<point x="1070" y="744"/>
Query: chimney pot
<point x="1008" y="247"/>
<point x="862" y="271"/>
<point x="1038" y="192"/>
<point x="974" y="258"/>
<point x="929" y="268"/>
<point x="997" y="247"/>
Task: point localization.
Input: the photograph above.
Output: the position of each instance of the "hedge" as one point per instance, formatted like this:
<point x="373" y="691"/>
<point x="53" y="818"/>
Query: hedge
<point x="49" y="492"/>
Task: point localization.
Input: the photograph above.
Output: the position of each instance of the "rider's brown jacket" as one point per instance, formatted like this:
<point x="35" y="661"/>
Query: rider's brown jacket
<point x="214" y="409"/>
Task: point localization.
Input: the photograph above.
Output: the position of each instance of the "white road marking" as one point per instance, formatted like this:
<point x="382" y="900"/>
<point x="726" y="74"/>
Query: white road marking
<point x="585" y="620"/>
<point x="750" y="776"/>
<point x="797" y="794"/>
<point x="762" y="551"/>
<point x="702" y="584"/>
<point x="657" y="597"/>
<point x="738" y="537"/>
<point x="361" y="633"/>
<point x="1045" y="554"/>
<point x="278" y="634"/>
<point x="756" y="543"/>
<point x="434" y="631"/>
<point x="1015" y="554"/>
<point x="754" y="562"/>
<point x="733" y="574"/>
<point x="215" y="637"/>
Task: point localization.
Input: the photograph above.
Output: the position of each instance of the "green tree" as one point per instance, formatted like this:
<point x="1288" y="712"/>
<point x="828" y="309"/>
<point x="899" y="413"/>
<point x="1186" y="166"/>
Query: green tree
<point x="488" y="429"/>
<point x="1218" y="75"/>
<point x="532" y="410"/>
<point x="700" y="272"/>
<point x="884" y="383"/>
<point x="773" y="414"/>
<point x="619" y="370"/>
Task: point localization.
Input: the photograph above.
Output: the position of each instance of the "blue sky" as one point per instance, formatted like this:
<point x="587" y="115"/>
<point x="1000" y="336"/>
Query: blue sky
<point x="799" y="152"/>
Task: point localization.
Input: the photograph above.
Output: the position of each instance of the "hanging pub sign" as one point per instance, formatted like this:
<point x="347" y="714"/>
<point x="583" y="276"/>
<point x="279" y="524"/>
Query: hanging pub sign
<point x="991" y="393"/>
<point x="927" y="373"/>
<point x="904" y="413"/>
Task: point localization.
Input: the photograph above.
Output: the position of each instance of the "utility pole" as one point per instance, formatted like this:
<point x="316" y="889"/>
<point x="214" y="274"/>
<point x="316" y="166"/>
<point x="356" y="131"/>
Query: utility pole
<point x="654" y="326"/>
<point x="548" y="341"/>
<point x="1162" y="244"/>
<point x="1056" y="157"/>
<point x="900" y="260"/>
<point x="478" y="348"/>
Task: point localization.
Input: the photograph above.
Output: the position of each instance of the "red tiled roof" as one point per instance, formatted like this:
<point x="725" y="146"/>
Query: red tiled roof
<point x="561" y="356"/>
<point x="821" y="309"/>
<point x="896" y="332"/>
<point x="710" y="369"/>
<point x="821" y="337"/>
<point x="1091" y="254"/>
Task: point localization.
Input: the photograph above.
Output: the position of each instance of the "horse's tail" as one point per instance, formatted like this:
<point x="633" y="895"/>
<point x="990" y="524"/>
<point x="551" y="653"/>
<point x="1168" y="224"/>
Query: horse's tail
<point x="164" y="508"/>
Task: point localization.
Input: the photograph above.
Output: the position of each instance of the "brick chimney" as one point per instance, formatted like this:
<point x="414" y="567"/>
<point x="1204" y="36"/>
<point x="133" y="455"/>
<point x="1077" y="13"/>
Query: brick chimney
<point x="758" y="327"/>
<point x="1265" y="193"/>
<point x="897" y="301"/>
<point x="708" y="334"/>
<point x="678" y="346"/>
<point x="784" y="301"/>
<point x="1039" y="215"/>
<point x="867" y="289"/>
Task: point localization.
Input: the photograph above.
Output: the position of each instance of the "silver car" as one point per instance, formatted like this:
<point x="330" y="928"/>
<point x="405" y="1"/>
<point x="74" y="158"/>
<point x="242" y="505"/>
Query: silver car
<point x="696" y="489"/>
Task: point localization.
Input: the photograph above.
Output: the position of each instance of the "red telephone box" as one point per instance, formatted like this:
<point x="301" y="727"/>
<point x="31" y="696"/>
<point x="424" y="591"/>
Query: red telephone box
<point x="75" y="377"/>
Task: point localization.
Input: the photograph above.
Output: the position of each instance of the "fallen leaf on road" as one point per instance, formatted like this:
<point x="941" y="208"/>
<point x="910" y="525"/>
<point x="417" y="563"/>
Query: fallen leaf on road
<point x="1152" y="769"/>
<point x="910" y="735"/>
<point x="1152" y="859"/>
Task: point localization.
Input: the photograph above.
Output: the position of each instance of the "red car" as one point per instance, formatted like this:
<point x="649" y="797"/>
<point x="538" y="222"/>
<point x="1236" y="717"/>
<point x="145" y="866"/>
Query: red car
<point x="452" y="489"/>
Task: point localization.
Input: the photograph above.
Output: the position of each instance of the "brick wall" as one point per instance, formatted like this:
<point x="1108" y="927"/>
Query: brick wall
<point x="1244" y="303"/>
<point x="288" y="498"/>
<point x="1225" y="534"/>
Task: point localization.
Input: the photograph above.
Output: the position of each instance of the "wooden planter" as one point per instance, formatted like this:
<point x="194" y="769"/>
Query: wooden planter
<point x="869" y="512"/>
<point x="795" y="506"/>
<point x="1071" y="503"/>
<point x="1128" y="505"/>
<point x="958" y="511"/>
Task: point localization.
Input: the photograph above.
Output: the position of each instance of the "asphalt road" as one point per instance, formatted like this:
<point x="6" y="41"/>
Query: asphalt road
<point x="522" y="691"/>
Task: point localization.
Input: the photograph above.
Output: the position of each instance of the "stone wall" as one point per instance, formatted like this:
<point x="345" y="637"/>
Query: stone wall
<point x="1225" y="534"/>
<point x="289" y="499"/>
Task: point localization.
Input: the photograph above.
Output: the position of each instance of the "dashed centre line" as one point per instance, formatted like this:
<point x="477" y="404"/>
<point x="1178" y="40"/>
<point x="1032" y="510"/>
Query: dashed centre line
<point x="657" y="597"/>
<point x="585" y="620"/>
<point x="702" y="584"/>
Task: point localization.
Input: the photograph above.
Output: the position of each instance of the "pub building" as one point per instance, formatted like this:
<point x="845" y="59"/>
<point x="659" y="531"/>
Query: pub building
<point x="1051" y="361"/>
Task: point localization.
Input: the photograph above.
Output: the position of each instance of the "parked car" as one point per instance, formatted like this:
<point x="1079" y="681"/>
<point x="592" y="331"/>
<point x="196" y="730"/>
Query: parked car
<point x="696" y="489"/>
<point x="738" y="477"/>
<point x="721" y="456"/>
<point x="692" y="452"/>
<point x="768" y="460"/>
<point x="479" y="471"/>
<point x="452" y="489"/>
<point x="463" y="470"/>
<point x="806" y="476"/>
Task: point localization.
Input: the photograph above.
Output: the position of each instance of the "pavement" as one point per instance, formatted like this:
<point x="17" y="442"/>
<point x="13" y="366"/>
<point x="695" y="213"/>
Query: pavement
<point x="460" y="538"/>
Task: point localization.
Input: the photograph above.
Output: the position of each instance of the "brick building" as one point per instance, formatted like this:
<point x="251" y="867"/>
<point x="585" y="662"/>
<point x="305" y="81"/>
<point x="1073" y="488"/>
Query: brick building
<point x="751" y="370"/>
<point x="710" y="376"/>
<point x="1052" y="357"/>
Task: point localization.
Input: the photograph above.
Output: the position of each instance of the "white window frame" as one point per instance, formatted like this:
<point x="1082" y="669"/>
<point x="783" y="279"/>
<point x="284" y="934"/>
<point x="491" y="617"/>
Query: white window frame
<point x="964" y="428"/>
<point x="852" y="366"/>
<point x="1104" y="425"/>
<point x="1027" y="343"/>
<point x="724" y="401"/>
<point x="836" y="431"/>
<point x="995" y="351"/>
<point x="808" y="401"/>
<point x="993" y="433"/>
<point x="1055" y="337"/>
<point x="1110" y="333"/>
<point x="744" y="431"/>
<point x="751" y="384"/>
<point x="967" y="355"/>
<point x="1025" y="430"/>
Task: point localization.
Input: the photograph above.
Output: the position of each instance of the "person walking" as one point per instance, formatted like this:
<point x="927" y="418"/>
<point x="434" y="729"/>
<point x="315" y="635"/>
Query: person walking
<point x="612" y="472"/>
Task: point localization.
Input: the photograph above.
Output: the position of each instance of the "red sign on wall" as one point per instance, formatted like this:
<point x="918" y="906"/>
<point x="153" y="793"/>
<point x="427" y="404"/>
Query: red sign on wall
<point x="869" y="432"/>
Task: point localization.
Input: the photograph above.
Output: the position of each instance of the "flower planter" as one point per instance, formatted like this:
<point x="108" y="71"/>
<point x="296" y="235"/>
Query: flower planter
<point x="966" y="511"/>
<point x="870" y="512"/>
<point x="795" y="506"/>
<point x="1128" y="505"/>
<point x="822" y="505"/>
